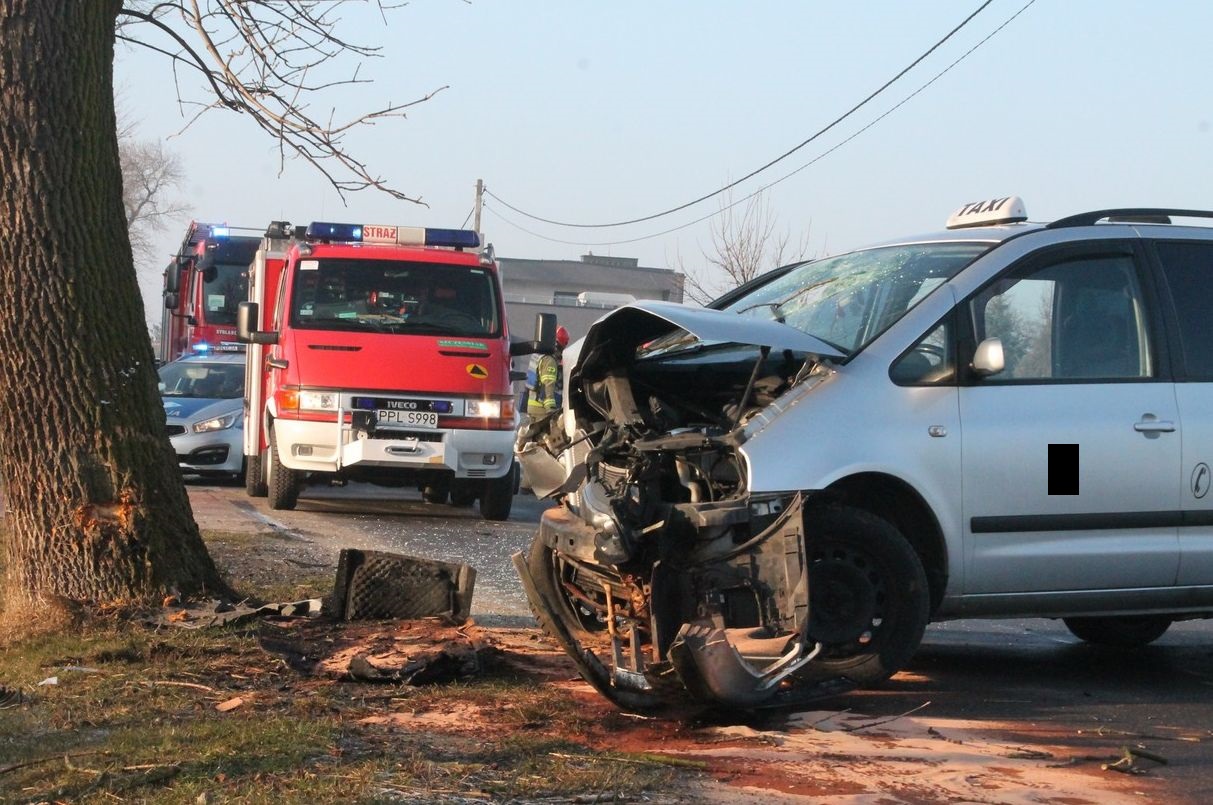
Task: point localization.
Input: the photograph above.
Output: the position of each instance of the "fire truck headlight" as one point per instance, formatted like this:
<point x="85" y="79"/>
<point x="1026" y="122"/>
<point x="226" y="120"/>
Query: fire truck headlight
<point x="488" y="409"/>
<point x="218" y="423"/>
<point x="318" y="400"/>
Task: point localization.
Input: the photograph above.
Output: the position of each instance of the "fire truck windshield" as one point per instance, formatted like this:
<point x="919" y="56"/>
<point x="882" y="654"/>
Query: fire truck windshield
<point x="224" y="286"/>
<point x="399" y="297"/>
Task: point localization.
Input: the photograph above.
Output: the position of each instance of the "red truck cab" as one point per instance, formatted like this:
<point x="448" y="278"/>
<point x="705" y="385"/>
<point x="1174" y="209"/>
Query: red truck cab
<point x="203" y="288"/>
<point x="385" y="358"/>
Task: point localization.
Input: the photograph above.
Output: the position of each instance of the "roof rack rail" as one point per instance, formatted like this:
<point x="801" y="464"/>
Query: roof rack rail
<point x="1128" y="215"/>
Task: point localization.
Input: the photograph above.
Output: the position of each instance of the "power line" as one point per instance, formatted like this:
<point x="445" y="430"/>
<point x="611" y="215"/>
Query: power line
<point x="757" y="171"/>
<point x="788" y="175"/>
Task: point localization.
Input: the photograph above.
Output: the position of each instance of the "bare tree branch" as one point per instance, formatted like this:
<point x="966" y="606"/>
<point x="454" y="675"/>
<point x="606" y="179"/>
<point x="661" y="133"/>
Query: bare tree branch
<point x="266" y="59"/>
<point x="149" y="173"/>
<point x="746" y="242"/>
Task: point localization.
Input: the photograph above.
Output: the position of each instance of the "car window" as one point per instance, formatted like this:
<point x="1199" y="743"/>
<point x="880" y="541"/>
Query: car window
<point x="1076" y="319"/>
<point x="216" y="381"/>
<point x="928" y="362"/>
<point x="1188" y="269"/>
<point x="225" y="285"/>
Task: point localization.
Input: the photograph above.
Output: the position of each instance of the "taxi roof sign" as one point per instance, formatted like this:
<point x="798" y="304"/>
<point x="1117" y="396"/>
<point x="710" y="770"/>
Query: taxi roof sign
<point x="1005" y="210"/>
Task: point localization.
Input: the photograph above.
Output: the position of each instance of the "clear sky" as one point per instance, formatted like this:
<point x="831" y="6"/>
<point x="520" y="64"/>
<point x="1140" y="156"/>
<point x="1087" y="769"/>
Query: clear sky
<point x="595" y="112"/>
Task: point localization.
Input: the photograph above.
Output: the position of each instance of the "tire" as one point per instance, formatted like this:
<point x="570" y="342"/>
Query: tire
<point x="549" y="573"/>
<point x="868" y="597"/>
<point x="463" y="493"/>
<point x="254" y="476"/>
<point x="498" y="496"/>
<point x="282" y="482"/>
<point x="1125" y="631"/>
<point x="436" y="491"/>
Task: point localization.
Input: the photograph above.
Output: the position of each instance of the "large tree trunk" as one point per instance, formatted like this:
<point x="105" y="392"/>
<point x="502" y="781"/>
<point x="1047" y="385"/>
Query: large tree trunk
<point x="96" y="509"/>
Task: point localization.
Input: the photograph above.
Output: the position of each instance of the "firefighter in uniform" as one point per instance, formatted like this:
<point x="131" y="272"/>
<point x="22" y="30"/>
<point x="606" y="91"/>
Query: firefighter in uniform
<point x="544" y="393"/>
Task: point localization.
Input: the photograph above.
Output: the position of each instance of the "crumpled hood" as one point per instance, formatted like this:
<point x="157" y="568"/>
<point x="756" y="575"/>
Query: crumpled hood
<point x="613" y="339"/>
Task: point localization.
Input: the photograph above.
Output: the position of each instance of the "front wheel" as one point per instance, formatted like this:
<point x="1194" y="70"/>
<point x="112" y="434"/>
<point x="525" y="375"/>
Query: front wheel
<point x="254" y="476"/>
<point x="283" y="483"/>
<point x="868" y="597"/>
<point x="1126" y="631"/>
<point x="498" y="496"/>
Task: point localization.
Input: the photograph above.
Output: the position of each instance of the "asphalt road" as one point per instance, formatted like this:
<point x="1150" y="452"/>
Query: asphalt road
<point x="1028" y="679"/>
<point x="399" y="521"/>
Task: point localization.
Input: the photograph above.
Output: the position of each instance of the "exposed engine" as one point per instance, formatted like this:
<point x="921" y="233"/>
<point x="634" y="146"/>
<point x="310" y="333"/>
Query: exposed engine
<point x="659" y="568"/>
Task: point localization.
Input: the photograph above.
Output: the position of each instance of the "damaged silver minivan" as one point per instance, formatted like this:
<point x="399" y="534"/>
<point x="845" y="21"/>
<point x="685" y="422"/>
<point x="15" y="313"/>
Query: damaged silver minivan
<point x="767" y="500"/>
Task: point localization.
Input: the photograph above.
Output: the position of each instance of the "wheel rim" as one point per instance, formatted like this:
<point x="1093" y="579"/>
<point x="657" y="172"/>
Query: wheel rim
<point x="847" y="597"/>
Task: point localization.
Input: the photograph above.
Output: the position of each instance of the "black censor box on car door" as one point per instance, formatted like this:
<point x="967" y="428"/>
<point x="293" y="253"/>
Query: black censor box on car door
<point x="1063" y="469"/>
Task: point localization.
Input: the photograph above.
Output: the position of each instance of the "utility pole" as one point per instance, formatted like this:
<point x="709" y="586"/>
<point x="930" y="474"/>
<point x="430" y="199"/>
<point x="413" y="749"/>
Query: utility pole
<point x="479" y="202"/>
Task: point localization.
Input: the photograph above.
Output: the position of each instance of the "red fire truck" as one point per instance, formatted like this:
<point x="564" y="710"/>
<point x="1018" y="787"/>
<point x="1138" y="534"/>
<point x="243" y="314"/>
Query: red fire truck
<point x="202" y="287"/>
<point x="380" y="353"/>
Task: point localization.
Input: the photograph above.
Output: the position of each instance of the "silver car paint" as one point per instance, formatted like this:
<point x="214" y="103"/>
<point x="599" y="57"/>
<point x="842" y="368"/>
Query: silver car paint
<point x="853" y="419"/>
<point x="188" y="441"/>
<point x="233" y="438"/>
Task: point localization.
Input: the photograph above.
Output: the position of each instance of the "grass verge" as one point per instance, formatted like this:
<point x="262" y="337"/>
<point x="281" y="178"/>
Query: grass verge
<point x="177" y="715"/>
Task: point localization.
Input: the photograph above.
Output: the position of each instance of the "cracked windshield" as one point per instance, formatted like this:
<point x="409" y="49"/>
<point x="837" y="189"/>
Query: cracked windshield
<point x="848" y="300"/>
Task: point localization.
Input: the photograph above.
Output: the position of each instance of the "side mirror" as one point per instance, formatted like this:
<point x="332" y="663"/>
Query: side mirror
<point x="247" y="316"/>
<point x="545" y="333"/>
<point x="170" y="300"/>
<point x="545" y="337"/>
<point x="988" y="358"/>
<point x="172" y="277"/>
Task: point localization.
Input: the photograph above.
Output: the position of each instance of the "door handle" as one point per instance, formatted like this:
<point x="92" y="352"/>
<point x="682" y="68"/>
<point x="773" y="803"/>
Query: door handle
<point x="1149" y="424"/>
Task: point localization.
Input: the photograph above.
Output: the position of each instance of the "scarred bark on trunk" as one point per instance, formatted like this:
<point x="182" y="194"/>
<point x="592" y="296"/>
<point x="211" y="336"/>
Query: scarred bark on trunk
<point x="96" y="509"/>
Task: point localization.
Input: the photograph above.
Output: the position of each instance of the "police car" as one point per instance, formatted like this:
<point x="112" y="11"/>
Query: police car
<point x="1000" y="419"/>
<point x="203" y="396"/>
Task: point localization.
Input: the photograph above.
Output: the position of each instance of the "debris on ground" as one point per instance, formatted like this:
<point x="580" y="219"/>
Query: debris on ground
<point x="374" y="585"/>
<point x="1127" y="762"/>
<point x="213" y="612"/>
<point x="415" y="652"/>
<point x="230" y="704"/>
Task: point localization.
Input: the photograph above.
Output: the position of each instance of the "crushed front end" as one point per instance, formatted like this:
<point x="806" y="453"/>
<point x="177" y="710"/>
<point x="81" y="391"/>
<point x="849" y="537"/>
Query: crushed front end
<point x="660" y="573"/>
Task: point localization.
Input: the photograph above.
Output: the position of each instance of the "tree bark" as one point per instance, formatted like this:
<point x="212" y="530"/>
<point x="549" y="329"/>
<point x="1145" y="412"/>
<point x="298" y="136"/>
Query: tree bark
<point x="96" y="509"/>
